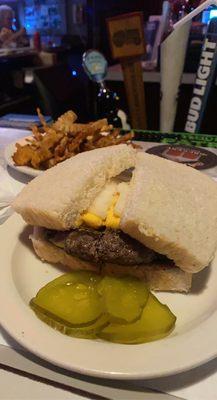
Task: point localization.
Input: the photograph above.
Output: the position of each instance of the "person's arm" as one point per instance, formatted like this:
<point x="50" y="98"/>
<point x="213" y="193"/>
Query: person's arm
<point x="5" y="35"/>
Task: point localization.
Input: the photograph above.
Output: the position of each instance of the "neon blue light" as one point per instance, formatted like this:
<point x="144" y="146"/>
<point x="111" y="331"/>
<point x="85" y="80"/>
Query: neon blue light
<point x="213" y="14"/>
<point x="207" y="15"/>
<point x="74" y="73"/>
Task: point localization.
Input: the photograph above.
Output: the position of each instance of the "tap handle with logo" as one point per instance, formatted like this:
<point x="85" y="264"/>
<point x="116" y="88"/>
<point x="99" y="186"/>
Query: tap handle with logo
<point x="95" y="65"/>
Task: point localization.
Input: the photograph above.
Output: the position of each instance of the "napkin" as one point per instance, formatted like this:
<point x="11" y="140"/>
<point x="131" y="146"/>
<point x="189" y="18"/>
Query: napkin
<point x="9" y="188"/>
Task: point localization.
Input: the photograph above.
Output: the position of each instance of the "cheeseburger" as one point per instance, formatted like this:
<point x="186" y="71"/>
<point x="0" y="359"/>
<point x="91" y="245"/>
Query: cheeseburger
<point x="120" y="211"/>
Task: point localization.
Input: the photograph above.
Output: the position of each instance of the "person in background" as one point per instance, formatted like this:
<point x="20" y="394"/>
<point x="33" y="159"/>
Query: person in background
<point x="8" y="36"/>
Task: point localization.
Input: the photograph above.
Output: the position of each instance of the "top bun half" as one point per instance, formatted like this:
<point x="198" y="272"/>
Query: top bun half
<point x="172" y="209"/>
<point x="56" y="198"/>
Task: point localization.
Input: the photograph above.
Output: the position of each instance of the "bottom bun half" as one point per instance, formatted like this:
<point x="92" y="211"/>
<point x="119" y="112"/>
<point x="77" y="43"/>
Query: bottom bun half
<point x="159" y="276"/>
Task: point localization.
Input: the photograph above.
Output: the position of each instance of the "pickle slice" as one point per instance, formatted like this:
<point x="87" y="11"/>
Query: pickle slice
<point x="73" y="277"/>
<point x="84" y="305"/>
<point x="155" y="323"/>
<point x="124" y="298"/>
<point x="85" y="331"/>
<point x="72" y="297"/>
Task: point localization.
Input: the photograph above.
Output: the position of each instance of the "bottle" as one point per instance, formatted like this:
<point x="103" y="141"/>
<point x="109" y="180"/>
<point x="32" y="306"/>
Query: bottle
<point x="108" y="105"/>
<point x="95" y="65"/>
<point x="37" y="41"/>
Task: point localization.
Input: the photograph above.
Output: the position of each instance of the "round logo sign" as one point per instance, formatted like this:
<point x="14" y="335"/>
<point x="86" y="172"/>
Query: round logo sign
<point x="95" y="65"/>
<point x="192" y="156"/>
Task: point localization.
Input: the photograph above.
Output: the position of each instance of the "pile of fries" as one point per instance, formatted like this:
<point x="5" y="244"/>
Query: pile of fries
<point x="65" y="138"/>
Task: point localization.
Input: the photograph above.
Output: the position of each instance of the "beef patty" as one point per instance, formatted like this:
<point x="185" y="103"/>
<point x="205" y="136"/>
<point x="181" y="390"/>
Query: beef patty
<point x="99" y="246"/>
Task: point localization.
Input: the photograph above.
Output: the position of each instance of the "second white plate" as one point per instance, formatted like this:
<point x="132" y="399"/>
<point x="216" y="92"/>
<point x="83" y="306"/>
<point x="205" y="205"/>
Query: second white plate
<point x="8" y="153"/>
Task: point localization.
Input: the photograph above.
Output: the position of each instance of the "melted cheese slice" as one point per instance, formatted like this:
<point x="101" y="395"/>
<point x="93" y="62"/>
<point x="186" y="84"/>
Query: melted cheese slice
<point x="112" y="220"/>
<point x="108" y="206"/>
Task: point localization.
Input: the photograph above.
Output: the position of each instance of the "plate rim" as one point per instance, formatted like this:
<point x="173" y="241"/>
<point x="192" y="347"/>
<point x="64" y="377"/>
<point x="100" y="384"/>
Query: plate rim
<point x="8" y="152"/>
<point x="17" y="222"/>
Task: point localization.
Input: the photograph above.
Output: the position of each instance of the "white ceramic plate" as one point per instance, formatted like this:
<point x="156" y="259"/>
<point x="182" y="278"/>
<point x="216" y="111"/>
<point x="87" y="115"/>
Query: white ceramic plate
<point x="193" y="341"/>
<point x="8" y="153"/>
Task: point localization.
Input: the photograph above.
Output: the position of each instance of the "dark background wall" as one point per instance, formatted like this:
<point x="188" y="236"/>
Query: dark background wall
<point x="98" y="11"/>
